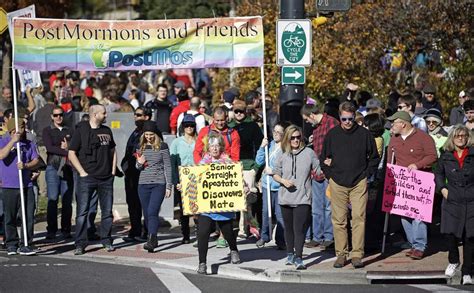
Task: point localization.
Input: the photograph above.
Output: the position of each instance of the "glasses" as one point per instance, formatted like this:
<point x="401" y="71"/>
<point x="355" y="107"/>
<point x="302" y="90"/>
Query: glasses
<point x="58" y="115"/>
<point x="277" y="132"/>
<point x="239" y="111"/>
<point x="138" y="115"/>
<point x="296" y="137"/>
<point x="401" y="106"/>
<point x="347" y="119"/>
<point x="186" y="125"/>
<point x="431" y="122"/>
<point x="461" y="136"/>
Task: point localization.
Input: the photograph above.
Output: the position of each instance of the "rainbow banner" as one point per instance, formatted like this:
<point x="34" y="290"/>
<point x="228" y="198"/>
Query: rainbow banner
<point x="58" y="44"/>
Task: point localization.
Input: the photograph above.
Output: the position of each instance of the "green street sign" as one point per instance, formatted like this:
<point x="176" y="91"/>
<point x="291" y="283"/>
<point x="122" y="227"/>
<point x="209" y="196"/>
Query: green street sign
<point x="294" y="42"/>
<point x="293" y="75"/>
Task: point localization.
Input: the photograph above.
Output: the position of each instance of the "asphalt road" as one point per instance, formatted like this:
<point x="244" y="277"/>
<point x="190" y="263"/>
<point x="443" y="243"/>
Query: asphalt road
<point x="48" y="274"/>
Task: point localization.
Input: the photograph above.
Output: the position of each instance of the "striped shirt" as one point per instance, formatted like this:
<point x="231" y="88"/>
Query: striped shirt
<point x="158" y="168"/>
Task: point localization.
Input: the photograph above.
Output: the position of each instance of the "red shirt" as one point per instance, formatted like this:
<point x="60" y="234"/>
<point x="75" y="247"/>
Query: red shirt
<point x="319" y="134"/>
<point x="462" y="157"/>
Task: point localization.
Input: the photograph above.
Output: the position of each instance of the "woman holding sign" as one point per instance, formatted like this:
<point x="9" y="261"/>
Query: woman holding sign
<point x="293" y="171"/>
<point x="455" y="181"/>
<point x="154" y="183"/>
<point x="215" y="148"/>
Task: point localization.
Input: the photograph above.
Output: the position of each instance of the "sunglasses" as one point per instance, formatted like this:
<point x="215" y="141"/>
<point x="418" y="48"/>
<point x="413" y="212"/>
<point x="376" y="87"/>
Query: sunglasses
<point x="460" y="136"/>
<point x="296" y="137"/>
<point x="239" y="111"/>
<point x="58" y="115"/>
<point x="401" y="106"/>
<point x="186" y="125"/>
<point x="345" y="119"/>
<point x="138" y="115"/>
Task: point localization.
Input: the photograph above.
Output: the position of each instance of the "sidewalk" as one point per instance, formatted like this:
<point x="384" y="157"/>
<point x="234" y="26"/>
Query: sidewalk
<point x="264" y="264"/>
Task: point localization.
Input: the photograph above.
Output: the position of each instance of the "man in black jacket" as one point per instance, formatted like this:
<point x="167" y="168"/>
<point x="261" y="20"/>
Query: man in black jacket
<point x="161" y="108"/>
<point x="59" y="177"/>
<point x="131" y="178"/>
<point x="349" y="157"/>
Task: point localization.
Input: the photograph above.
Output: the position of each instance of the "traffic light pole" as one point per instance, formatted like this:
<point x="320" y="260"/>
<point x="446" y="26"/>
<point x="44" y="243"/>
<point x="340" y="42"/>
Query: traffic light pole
<point x="291" y="95"/>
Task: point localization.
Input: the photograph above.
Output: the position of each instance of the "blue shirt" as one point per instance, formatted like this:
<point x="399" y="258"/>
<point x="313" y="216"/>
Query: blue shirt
<point x="274" y="152"/>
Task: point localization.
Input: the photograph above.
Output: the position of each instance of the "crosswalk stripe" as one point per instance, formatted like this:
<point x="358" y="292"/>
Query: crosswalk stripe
<point x="175" y="281"/>
<point x="439" y="288"/>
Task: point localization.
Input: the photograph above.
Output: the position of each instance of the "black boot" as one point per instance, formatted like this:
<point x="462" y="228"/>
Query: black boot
<point x="151" y="244"/>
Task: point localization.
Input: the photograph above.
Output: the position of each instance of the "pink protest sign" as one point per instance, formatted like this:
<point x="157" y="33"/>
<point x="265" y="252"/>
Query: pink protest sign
<point x="408" y="193"/>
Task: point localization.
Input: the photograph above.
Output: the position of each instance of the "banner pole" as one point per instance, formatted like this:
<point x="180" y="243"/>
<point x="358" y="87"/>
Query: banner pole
<point x="387" y="215"/>
<point x="265" y="134"/>
<point x="18" y="151"/>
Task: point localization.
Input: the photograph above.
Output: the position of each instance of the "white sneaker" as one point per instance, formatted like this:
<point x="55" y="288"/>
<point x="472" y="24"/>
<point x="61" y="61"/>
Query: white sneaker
<point x="466" y="280"/>
<point x="451" y="269"/>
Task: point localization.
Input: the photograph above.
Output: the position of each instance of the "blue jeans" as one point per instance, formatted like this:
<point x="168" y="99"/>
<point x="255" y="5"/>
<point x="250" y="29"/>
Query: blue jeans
<point x="321" y="213"/>
<point x="416" y="232"/>
<point x="105" y="193"/>
<point x="57" y="186"/>
<point x="91" y="229"/>
<point x="280" y="230"/>
<point x="151" y="198"/>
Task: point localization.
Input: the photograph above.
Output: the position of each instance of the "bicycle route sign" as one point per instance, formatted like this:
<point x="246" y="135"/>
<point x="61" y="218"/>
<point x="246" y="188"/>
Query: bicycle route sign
<point x="294" y="42"/>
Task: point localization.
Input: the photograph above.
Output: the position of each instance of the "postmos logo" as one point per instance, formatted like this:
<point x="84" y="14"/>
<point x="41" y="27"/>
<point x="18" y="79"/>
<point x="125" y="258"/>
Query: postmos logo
<point x="103" y="57"/>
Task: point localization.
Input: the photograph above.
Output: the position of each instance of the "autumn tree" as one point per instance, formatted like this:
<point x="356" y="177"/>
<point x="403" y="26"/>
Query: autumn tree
<point x="349" y="47"/>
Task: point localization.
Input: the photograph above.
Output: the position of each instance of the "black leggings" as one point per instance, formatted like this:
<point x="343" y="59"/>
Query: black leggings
<point x="205" y="229"/>
<point x="467" y="248"/>
<point x="295" y="220"/>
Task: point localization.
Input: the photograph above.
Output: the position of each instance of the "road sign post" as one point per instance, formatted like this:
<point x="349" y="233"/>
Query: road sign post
<point x="293" y="75"/>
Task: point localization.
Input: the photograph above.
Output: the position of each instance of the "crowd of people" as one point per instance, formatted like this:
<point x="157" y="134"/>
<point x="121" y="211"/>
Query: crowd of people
<point x="325" y="180"/>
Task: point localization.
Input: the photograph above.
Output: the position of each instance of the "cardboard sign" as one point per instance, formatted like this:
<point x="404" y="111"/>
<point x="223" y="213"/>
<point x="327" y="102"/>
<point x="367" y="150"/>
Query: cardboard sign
<point x="212" y="188"/>
<point x="408" y="193"/>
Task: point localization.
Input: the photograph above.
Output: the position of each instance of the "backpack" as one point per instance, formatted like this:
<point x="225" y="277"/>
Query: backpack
<point x="229" y="132"/>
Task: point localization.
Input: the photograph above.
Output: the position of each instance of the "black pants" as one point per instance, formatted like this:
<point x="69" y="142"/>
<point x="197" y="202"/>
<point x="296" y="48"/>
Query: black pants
<point x="11" y="208"/>
<point x="295" y="220"/>
<point x="467" y="249"/>
<point x="205" y="229"/>
<point x="134" y="206"/>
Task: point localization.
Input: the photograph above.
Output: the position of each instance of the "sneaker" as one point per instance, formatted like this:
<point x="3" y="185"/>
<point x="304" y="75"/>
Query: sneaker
<point x="357" y="262"/>
<point x="299" y="264"/>
<point x="466" y="280"/>
<point x="242" y="236"/>
<point x="221" y="243"/>
<point x="340" y="262"/>
<point x="312" y="244"/>
<point x="196" y="245"/>
<point x="260" y="243"/>
<point x="234" y="257"/>
<point x="409" y="252"/>
<point x="202" y="269"/>
<point x="417" y="254"/>
<point x="129" y="239"/>
<point x="108" y="247"/>
<point x="451" y="269"/>
<point x="327" y="244"/>
<point x="185" y="241"/>
<point x="11" y="250"/>
<point x="281" y="247"/>
<point x="79" y="250"/>
<point x="290" y="259"/>
<point x="26" y="250"/>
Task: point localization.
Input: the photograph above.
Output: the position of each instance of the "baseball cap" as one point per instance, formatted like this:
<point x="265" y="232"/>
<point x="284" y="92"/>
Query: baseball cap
<point x="400" y="115"/>
<point x="373" y="103"/>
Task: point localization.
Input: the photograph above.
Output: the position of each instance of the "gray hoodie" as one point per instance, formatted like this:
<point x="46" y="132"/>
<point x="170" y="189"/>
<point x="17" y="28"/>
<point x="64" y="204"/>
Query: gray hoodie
<point x="297" y="167"/>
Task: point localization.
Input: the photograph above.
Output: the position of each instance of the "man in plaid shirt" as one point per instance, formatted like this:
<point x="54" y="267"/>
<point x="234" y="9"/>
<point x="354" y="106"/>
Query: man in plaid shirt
<point x="321" y="206"/>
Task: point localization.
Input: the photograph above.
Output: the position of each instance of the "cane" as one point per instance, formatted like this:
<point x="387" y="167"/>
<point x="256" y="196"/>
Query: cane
<point x="387" y="215"/>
